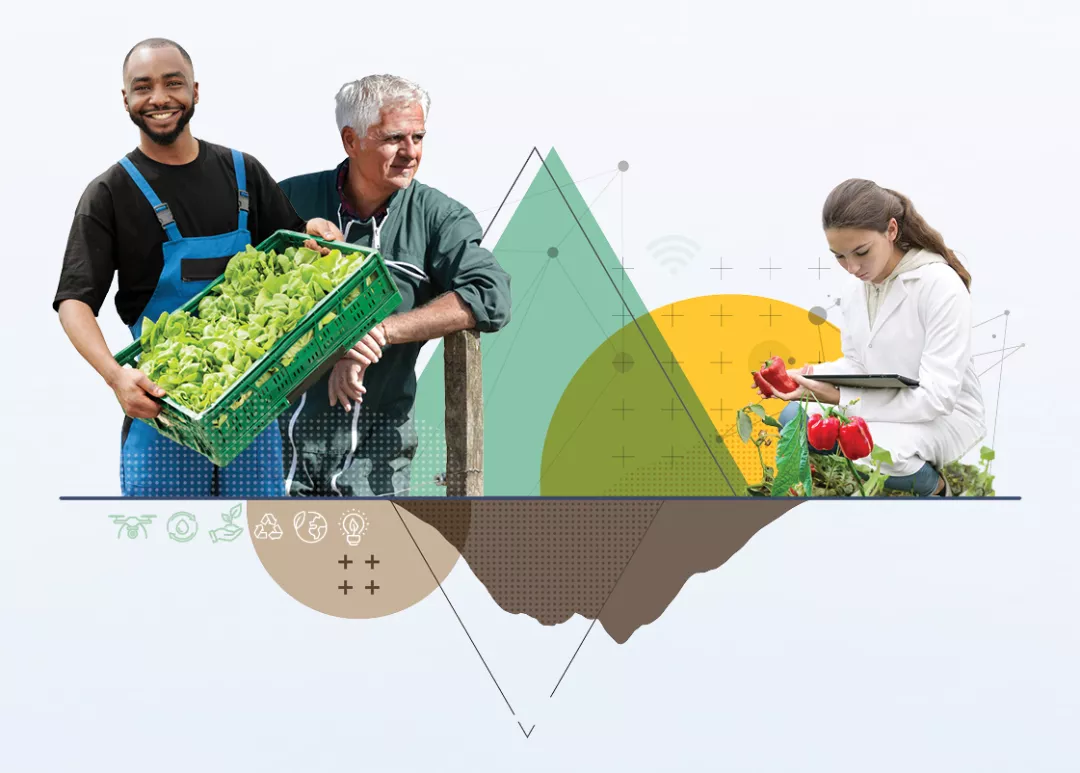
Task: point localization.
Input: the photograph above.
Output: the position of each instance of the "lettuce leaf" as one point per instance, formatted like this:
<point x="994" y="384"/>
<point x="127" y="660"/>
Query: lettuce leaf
<point x="263" y="297"/>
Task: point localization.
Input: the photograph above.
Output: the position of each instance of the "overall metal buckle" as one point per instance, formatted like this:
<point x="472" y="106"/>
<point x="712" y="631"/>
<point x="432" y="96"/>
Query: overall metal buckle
<point x="164" y="215"/>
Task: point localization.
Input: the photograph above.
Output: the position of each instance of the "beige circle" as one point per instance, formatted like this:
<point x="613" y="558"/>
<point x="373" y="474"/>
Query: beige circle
<point x="352" y="559"/>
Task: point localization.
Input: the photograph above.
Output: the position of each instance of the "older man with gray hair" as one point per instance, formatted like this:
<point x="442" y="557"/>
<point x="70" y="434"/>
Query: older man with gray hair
<point x="352" y="433"/>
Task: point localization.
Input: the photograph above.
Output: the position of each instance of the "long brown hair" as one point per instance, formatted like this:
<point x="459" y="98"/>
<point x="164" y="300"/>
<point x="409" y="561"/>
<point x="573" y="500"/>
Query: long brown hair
<point x="866" y="205"/>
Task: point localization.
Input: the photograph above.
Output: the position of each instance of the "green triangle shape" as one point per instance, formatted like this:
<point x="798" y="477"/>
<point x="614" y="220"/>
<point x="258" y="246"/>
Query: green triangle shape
<point x="567" y="325"/>
<point x="630" y="425"/>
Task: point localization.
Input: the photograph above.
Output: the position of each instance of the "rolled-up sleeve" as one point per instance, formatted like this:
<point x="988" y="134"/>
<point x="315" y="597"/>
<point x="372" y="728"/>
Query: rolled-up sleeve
<point x="458" y="263"/>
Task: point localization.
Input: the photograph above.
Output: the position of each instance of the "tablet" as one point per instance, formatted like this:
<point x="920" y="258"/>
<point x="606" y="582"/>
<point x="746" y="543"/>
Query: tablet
<point x="868" y="381"/>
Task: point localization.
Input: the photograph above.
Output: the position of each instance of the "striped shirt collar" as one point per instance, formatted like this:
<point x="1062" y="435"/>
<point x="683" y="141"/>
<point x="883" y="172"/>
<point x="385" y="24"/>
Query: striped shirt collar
<point x="346" y="208"/>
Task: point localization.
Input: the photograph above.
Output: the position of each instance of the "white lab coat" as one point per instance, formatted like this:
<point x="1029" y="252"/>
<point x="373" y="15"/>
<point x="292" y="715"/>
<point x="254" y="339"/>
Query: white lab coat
<point x="923" y="331"/>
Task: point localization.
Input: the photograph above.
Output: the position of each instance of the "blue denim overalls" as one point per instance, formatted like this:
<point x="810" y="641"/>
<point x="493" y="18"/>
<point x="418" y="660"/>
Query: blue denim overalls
<point x="151" y="464"/>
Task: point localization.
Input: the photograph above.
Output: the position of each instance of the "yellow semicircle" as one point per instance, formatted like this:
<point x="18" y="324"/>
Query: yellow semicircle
<point x="720" y="339"/>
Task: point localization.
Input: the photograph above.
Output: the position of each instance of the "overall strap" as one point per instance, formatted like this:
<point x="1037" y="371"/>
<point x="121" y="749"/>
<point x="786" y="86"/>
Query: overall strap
<point x="164" y="215"/>
<point x="243" y="200"/>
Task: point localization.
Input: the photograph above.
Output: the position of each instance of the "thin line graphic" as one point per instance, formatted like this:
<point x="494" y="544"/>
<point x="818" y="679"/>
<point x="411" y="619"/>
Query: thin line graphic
<point x="525" y="299"/>
<point x="588" y="308"/>
<point x="1001" y="377"/>
<point x="566" y="235"/>
<point x="572" y="182"/>
<point x="622" y="249"/>
<point x="999" y="316"/>
<point x="569" y="437"/>
<point x="538" y="282"/>
<point x="588" y="207"/>
<point x="622" y="232"/>
<point x="997" y="351"/>
<point x="508" y="192"/>
<point x="637" y="324"/>
<point x="525" y="498"/>
<point x="615" y="585"/>
<point x="448" y="601"/>
<point x="1007" y="356"/>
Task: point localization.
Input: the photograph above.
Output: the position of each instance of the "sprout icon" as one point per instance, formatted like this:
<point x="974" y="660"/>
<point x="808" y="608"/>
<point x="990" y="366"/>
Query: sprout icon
<point x="353" y="526"/>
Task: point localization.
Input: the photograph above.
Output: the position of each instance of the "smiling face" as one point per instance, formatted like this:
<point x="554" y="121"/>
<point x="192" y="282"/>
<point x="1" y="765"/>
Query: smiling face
<point x="867" y="254"/>
<point x="387" y="157"/>
<point x="160" y="93"/>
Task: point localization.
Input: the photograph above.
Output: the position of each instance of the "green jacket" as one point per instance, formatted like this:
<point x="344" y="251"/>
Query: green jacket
<point x="437" y="236"/>
<point x="431" y="243"/>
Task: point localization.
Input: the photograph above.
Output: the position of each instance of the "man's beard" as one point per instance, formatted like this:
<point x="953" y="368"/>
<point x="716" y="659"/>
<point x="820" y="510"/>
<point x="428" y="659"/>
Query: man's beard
<point x="169" y="137"/>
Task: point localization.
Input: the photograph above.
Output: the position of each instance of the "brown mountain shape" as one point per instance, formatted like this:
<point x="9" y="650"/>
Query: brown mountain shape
<point x="552" y="559"/>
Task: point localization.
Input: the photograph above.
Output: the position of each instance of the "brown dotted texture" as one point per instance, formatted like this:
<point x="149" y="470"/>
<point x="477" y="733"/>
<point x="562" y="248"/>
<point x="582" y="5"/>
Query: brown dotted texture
<point x="687" y="472"/>
<point x="552" y="559"/>
<point x="451" y="518"/>
<point x="548" y="559"/>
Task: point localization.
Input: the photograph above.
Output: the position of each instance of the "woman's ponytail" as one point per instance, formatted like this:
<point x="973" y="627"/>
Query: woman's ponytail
<point x="916" y="232"/>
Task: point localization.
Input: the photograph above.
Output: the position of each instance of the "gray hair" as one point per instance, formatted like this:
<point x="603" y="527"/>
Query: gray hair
<point x="360" y="103"/>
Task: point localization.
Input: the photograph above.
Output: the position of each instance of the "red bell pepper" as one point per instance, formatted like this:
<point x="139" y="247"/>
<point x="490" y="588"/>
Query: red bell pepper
<point x="822" y="432"/>
<point x="762" y="384"/>
<point x="775" y="372"/>
<point x="855" y="440"/>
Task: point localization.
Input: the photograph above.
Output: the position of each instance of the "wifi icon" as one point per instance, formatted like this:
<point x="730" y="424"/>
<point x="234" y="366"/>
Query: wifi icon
<point x="674" y="252"/>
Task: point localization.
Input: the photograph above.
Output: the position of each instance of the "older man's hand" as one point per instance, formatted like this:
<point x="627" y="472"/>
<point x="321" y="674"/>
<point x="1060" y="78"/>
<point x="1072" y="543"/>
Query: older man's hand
<point x="319" y="226"/>
<point x="369" y="349"/>
<point x="311" y="244"/>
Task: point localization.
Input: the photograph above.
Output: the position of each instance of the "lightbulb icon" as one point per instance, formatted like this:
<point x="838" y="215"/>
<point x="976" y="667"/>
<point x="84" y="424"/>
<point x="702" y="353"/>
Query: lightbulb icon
<point x="353" y="526"/>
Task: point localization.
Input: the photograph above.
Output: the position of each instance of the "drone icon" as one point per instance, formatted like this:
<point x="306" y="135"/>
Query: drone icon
<point x="132" y="524"/>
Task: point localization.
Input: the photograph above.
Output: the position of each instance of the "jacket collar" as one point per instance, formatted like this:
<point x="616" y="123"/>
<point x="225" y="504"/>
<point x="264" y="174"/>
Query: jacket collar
<point x="896" y="296"/>
<point x="341" y="175"/>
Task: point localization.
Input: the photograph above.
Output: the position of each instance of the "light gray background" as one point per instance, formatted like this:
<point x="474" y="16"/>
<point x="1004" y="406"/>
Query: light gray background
<point x="842" y="638"/>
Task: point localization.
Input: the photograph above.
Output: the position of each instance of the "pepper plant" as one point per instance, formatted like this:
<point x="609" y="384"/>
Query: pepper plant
<point x="830" y="470"/>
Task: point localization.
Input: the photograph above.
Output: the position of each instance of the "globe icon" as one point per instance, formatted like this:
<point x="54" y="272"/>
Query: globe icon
<point x="310" y="527"/>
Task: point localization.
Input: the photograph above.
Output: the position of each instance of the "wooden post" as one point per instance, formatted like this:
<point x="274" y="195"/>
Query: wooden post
<point x="464" y="414"/>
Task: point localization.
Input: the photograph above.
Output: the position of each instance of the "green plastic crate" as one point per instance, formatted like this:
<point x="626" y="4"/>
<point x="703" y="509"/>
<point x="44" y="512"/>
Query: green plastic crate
<point x="256" y="399"/>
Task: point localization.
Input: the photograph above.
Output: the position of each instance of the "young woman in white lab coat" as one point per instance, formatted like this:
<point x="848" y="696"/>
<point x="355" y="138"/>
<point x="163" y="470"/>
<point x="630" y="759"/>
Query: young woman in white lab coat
<point x="910" y="314"/>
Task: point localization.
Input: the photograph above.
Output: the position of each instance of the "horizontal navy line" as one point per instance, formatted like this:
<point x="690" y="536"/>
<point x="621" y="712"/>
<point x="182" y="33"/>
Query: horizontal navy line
<point x="299" y="500"/>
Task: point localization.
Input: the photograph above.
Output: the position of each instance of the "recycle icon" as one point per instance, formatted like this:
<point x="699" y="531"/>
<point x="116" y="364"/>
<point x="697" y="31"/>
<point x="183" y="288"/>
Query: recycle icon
<point x="268" y="528"/>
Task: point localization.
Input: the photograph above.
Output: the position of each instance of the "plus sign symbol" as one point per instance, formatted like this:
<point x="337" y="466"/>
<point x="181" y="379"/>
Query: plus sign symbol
<point x="377" y="558"/>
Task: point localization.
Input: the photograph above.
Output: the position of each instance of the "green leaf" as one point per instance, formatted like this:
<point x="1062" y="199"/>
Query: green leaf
<point x="766" y="419"/>
<point x="986" y="454"/>
<point x="881" y="455"/>
<point x="305" y="255"/>
<point x="147" y="329"/>
<point x="742" y="421"/>
<point x="261" y="297"/>
<point x="874" y="485"/>
<point x="793" y="457"/>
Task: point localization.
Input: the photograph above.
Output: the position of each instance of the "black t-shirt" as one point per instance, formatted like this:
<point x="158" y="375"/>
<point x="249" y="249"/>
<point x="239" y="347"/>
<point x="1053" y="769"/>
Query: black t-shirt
<point x="116" y="231"/>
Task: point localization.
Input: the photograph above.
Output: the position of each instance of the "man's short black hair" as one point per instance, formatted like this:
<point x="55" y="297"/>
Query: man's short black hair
<point x="158" y="43"/>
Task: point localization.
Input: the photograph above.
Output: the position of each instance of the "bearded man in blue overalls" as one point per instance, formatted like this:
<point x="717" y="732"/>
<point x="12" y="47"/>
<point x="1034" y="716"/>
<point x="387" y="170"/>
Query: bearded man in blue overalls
<point x="165" y="220"/>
